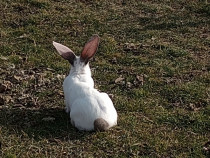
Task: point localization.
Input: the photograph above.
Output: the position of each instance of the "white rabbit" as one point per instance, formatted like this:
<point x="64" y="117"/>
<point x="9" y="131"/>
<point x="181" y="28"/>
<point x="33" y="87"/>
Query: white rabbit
<point x="89" y="109"/>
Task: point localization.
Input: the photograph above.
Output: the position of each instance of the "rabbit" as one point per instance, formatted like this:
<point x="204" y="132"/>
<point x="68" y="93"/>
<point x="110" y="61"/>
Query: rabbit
<point x="89" y="109"/>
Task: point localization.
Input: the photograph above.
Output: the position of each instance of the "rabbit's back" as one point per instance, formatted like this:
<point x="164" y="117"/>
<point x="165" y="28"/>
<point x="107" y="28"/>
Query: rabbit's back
<point x="76" y="87"/>
<point x="84" y="111"/>
<point x="86" y="104"/>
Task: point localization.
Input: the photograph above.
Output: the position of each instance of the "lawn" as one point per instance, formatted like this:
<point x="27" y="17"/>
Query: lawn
<point x="153" y="60"/>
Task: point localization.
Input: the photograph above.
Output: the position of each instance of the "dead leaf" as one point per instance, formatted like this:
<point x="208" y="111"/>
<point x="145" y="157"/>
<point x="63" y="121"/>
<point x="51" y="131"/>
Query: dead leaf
<point x="2" y="88"/>
<point x="134" y="47"/>
<point x="113" y="61"/>
<point x="8" y="99"/>
<point x="48" y="119"/>
<point x="1" y="101"/>
<point x="153" y="38"/>
<point x="60" y="77"/>
<point x="60" y="92"/>
<point x="8" y="84"/>
<point x="193" y="107"/>
<point x="119" y="79"/>
<point x="111" y="96"/>
<point x="18" y="106"/>
<point x="129" y="84"/>
<point x="206" y="148"/>
<point x="140" y="78"/>
<point x="3" y="58"/>
<point x="49" y="69"/>
<point x="15" y="79"/>
<point x="11" y="66"/>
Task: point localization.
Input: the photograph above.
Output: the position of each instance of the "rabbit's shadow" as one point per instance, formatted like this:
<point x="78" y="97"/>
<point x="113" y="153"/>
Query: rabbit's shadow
<point x="49" y="123"/>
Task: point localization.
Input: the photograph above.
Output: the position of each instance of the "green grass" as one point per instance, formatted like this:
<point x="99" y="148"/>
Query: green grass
<point x="159" y="48"/>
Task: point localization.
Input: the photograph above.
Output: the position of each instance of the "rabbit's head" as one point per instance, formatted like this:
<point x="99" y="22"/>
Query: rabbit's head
<point x="79" y="65"/>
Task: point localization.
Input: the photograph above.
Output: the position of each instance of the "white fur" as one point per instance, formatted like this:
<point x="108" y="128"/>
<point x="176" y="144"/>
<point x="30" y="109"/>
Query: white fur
<point x="82" y="100"/>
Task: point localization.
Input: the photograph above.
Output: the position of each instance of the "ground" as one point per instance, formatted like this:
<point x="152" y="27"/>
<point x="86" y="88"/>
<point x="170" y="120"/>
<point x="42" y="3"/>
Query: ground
<point x="153" y="60"/>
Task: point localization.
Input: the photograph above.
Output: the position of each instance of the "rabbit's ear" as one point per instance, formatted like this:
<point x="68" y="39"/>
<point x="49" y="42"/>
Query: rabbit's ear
<point x="90" y="49"/>
<point x="65" y="52"/>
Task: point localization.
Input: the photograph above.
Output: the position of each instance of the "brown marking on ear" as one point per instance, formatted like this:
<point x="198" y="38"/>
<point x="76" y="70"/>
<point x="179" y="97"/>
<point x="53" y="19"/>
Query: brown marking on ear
<point x="90" y="49"/>
<point x="65" y="52"/>
<point x="69" y="56"/>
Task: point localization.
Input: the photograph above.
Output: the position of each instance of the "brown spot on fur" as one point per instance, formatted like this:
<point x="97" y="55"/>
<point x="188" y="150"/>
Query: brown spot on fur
<point x="100" y="124"/>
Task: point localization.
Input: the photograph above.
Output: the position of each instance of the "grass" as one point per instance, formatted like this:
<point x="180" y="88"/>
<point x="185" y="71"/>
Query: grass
<point x="159" y="49"/>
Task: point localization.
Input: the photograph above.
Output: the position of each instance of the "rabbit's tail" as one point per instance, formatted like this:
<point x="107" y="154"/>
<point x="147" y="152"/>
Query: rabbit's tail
<point x="100" y="124"/>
